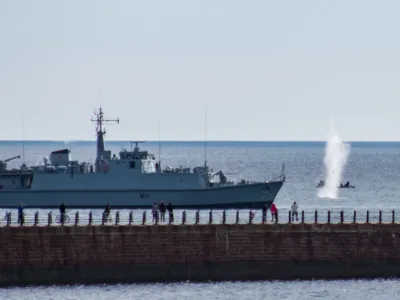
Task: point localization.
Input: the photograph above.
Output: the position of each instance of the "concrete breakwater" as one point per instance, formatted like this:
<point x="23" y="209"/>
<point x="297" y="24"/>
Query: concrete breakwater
<point x="109" y="254"/>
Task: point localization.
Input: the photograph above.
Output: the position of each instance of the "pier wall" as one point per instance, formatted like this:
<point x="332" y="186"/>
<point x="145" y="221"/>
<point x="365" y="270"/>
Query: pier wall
<point x="108" y="254"/>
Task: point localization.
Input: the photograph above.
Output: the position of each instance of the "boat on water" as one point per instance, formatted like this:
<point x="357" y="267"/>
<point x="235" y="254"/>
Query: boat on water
<point x="133" y="180"/>
<point x="347" y="185"/>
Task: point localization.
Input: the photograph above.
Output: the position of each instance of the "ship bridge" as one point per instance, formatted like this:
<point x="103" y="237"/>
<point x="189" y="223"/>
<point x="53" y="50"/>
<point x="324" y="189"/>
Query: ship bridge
<point x="137" y="160"/>
<point x="129" y="155"/>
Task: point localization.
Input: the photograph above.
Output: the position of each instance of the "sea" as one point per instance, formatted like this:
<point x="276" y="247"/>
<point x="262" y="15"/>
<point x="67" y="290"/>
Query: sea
<point x="372" y="167"/>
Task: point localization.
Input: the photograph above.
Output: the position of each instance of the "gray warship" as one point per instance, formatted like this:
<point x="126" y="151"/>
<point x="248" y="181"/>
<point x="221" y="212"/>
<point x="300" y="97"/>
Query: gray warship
<point x="135" y="179"/>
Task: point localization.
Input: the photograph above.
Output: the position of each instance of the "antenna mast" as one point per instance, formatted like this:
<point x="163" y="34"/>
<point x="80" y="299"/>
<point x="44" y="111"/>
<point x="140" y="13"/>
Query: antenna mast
<point x="100" y="121"/>
<point x="159" y="144"/>
<point x="23" y="140"/>
<point x="205" y="139"/>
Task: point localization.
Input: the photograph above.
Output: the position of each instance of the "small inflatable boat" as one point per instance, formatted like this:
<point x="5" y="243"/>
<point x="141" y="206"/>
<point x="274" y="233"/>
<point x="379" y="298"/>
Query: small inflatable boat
<point x="342" y="186"/>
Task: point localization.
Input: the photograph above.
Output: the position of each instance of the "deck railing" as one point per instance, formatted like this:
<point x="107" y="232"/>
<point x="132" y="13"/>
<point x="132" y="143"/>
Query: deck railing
<point x="197" y="217"/>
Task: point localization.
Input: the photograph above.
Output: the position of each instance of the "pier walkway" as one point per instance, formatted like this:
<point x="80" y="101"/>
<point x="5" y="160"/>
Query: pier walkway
<point x="194" y="217"/>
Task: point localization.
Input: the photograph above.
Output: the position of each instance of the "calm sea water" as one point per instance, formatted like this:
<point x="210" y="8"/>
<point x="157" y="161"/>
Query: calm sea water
<point x="374" y="168"/>
<point x="277" y="290"/>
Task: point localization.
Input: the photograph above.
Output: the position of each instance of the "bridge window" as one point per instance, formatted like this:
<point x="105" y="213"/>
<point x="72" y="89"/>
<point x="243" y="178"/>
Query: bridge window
<point x="132" y="164"/>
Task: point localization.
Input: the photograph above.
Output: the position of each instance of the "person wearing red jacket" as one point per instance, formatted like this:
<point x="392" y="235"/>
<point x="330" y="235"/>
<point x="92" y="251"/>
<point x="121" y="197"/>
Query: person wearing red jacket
<point x="274" y="212"/>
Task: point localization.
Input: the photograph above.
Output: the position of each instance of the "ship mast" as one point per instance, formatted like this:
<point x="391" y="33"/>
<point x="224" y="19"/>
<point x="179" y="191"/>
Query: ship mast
<point x="23" y="141"/>
<point x="159" y="148"/>
<point x="205" y="140"/>
<point x="100" y="132"/>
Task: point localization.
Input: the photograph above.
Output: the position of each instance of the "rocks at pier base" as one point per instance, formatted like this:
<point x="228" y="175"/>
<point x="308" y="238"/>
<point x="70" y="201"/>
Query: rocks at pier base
<point x="110" y="254"/>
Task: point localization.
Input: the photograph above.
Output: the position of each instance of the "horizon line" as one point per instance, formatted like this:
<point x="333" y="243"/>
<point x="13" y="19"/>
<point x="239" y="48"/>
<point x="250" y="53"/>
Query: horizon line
<point x="208" y="141"/>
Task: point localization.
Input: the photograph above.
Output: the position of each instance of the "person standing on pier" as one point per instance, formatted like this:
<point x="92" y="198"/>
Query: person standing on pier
<point x="295" y="209"/>
<point x="106" y="214"/>
<point x="21" y="214"/>
<point x="154" y="211"/>
<point x="171" y="212"/>
<point x="274" y="212"/>
<point x="264" y="213"/>
<point x="162" y="211"/>
<point x="62" y="212"/>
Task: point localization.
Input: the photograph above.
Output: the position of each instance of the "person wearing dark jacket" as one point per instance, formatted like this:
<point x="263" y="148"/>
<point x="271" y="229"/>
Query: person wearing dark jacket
<point x="264" y="213"/>
<point x="161" y="208"/>
<point x="106" y="214"/>
<point x="171" y="212"/>
<point x="21" y="214"/>
<point x="62" y="212"/>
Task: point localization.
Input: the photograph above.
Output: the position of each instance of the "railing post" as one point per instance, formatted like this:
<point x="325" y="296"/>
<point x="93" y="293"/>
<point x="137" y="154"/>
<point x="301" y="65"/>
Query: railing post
<point x="144" y="219"/>
<point x="197" y="217"/>
<point x="329" y="216"/>
<point x="276" y="217"/>
<point x="302" y="217"/>
<point x="380" y="217"/>
<point x="117" y="218"/>
<point x="237" y="217"/>
<point x="184" y="217"/>
<point x="77" y="218"/>
<point x="224" y="217"/>
<point x="90" y="218"/>
<point x="8" y="219"/>
<point x="355" y="217"/>
<point x="289" y="217"/>
<point x="130" y="218"/>
<point x="367" y="220"/>
<point x="36" y="218"/>
<point x="211" y="217"/>
<point x="49" y="219"/>
<point x="341" y="216"/>
<point x="316" y="217"/>
<point x="393" y="214"/>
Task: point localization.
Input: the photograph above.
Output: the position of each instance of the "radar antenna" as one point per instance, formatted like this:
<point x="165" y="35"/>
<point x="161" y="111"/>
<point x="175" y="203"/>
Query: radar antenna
<point x="136" y="145"/>
<point x="100" y="121"/>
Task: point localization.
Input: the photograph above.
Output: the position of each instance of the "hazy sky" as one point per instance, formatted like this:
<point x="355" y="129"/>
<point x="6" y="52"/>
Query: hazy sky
<point x="264" y="70"/>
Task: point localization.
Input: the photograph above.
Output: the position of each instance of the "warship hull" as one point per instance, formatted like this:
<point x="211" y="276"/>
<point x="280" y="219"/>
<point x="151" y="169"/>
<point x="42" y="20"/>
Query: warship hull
<point x="249" y="196"/>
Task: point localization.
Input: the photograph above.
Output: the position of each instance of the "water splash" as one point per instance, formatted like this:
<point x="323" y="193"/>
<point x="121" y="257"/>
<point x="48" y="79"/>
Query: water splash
<point x="336" y="154"/>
